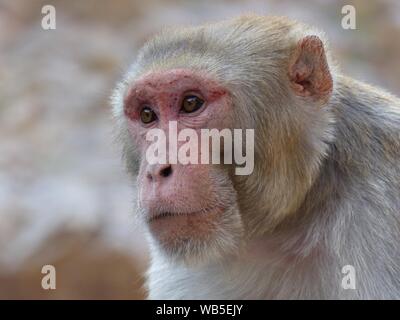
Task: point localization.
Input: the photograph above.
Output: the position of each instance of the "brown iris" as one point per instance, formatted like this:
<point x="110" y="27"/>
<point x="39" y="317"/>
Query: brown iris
<point x="147" y="115"/>
<point x="191" y="104"/>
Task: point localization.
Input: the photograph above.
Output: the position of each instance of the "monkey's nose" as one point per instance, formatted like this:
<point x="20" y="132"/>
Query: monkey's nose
<point x="158" y="172"/>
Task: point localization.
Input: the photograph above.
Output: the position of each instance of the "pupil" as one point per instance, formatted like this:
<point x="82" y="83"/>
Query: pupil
<point x="147" y="115"/>
<point x="192" y="103"/>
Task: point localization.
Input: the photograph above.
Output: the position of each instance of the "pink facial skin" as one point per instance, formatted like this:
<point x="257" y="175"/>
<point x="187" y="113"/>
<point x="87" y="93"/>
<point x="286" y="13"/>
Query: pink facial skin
<point x="180" y="201"/>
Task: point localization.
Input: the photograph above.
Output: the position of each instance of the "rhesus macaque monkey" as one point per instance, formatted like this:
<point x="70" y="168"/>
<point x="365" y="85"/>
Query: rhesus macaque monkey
<point x="325" y="190"/>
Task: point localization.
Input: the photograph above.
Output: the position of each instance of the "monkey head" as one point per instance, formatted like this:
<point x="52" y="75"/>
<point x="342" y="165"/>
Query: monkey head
<point x="249" y="73"/>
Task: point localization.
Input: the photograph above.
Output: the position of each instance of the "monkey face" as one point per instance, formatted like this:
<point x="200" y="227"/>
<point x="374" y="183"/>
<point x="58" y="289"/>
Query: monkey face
<point x="190" y="208"/>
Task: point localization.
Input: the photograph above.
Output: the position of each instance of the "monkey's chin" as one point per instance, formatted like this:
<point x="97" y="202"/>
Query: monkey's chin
<point x="197" y="238"/>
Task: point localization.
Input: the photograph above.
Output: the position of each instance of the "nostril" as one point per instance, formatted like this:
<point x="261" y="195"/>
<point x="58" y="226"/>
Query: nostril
<point x="165" y="172"/>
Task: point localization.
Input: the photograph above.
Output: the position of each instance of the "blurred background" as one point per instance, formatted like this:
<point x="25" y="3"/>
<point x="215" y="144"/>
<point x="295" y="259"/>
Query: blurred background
<point x="65" y="199"/>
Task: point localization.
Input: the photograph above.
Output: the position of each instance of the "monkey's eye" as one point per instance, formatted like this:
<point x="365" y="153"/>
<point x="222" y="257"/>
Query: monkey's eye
<point x="191" y="104"/>
<point x="147" y="115"/>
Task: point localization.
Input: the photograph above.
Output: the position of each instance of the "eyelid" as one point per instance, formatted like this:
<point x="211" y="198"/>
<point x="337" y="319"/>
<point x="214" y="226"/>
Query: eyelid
<point x="193" y="93"/>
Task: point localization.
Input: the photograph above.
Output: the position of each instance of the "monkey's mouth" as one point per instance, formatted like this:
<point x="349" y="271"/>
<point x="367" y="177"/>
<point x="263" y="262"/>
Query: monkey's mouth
<point x="169" y="214"/>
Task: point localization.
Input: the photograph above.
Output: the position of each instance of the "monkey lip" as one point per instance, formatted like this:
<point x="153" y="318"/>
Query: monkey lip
<point x="169" y="214"/>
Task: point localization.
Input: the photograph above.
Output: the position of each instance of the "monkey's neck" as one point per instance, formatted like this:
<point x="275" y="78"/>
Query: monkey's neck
<point x="365" y="148"/>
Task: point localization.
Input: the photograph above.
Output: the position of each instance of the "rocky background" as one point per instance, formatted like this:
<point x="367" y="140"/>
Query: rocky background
<point x="65" y="199"/>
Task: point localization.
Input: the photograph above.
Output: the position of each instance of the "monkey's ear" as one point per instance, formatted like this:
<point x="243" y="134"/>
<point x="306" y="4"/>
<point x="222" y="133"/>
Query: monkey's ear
<point x="309" y="71"/>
